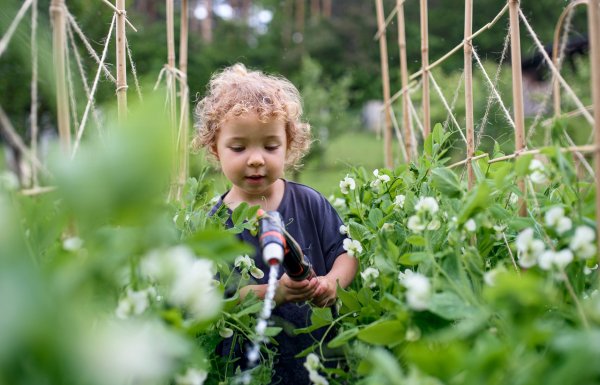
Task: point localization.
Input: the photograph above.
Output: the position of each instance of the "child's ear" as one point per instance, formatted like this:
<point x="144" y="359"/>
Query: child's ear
<point x="214" y="152"/>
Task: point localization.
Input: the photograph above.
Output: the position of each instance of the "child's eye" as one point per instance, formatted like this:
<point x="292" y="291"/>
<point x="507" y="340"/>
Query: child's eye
<point x="272" y="148"/>
<point x="237" y="149"/>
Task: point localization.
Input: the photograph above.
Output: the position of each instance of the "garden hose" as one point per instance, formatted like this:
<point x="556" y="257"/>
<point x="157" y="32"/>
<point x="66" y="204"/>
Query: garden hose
<point x="278" y="247"/>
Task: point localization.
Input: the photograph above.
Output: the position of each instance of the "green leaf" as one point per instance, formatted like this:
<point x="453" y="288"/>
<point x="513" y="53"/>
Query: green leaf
<point x="343" y="337"/>
<point x="239" y="214"/>
<point x="364" y="296"/>
<point x="189" y="191"/>
<point x="438" y="133"/>
<point x="375" y="215"/>
<point x="349" y="300"/>
<point x="307" y="351"/>
<point x="500" y="212"/>
<point x="357" y="231"/>
<point x="252" y="212"/>
<point x="416" y="240"/>
<point x="272" y="331"/>
<point x="448" y="305"/>
<point x="230" y="303"/>
<point x="383" y="333"/>
<point x="519" y="223"/>
<point x="522" y="164"/>
<point x="428" y="145"/>
<point x="446" y="182"/>
<point x="250" y="309"/>
<point x="320" y="317"/>
<point x="411" y="259"/>
<point x="475" y="202"/>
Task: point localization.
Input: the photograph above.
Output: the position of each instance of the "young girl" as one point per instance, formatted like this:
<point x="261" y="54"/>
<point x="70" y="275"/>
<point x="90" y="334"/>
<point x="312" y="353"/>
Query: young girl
<point x="250" y="123"/>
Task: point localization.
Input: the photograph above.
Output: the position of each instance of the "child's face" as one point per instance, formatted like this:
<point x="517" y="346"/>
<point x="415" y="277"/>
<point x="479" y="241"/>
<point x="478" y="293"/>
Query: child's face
<point x="252" y="153"/>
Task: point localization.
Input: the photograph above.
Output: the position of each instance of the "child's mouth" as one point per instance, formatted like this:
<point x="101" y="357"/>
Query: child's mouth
<point x="255" y="178"/>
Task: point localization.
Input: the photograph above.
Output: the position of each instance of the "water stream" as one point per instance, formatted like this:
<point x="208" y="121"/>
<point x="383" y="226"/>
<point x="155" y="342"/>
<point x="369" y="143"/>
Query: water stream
<point x="261" y="326"/>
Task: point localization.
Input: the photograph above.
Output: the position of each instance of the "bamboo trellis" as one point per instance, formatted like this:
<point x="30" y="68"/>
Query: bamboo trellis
<point x="64" y="30"/>
<point x="516" y="18"/>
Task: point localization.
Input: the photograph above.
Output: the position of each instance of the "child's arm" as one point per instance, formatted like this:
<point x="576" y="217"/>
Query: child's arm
<point x="344" y="269"/>
<point x="287" y="290"/>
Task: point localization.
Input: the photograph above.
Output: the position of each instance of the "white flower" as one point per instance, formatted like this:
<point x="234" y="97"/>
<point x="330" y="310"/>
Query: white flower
<point x="399" y="202"/>
<point x="559" y="259"/>
<point x="415" y="224"/>
<point x="215" y="200"/>
<point x="538" y="175"/>
<point x="417" y="291"/>
<point x="225" y="332"/>
<point x="498" y="232"/>
<point x="135" y="302"/>
<point x="434" y="224"/>
<point x="257" y="273"/>
<point x="588" y="271"/>
<point x="514" y="199"/>
<point x="555" y="217"/>
<point x="344" y="230"/>
<point x="582" y="242"/>
<point x="379" y="179"/>
<point x="316" y="378"/>
<point x="470" y="225"/>
<point x="489" y="277"/>
<point x="402" y="276"/>
<point x="352" y="246"/>
<point x="370" y="276"/>
<point x="244" y="262"/>
<point x="529" y="248"/>
<point x="347" y="184"/>
<point x="339" y="203"/>
<point x="118" y="353"/>
<point x="192" y="377"/>
<point x="387" y="227"/>
<point x="427" y="205"/>
<point x="312" y="362"/>
<point x="175" y="218"/>
<point x="72" y="244"/>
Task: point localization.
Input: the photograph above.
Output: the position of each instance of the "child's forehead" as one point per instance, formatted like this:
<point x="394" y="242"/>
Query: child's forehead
<point x="250" y="124"/>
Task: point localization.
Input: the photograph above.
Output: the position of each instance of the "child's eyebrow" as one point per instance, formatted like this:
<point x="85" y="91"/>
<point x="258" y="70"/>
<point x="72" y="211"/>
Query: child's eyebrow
<point x="246" y="137"/>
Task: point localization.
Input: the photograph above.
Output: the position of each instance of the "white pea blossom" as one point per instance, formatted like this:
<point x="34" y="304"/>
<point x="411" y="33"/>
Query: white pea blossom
<point x="489" y="277"/>
<point x="416" y="224"/>
<point x="344" y="229"/>
<point x="434" y="224"/>
<point x="312" y="362"/>
<point x="559" y="259"/>
<point x="215" y="200"/>
<point x="369" y="276"/>
<point x="498" y="232"/>
<point x="135" y="302"/>
<point x="538" y="171"/>
<point x="399" y="202"/>
<point x="245" y="263"/>
<point x="352" y="246"/>
<point x="387" y="227"/>
<point x="417" y="291"/>
<point x="582" y="242"/>
<point x="514" y="199"/>
<point x="347" y="184"/>
<point x="470" y="225"/>
<point x="379" y="179"/>
<point x="187" y="278"/>
<point x="192" y="377"/>
<point x="427" y="205"/>
<point x="339" y="203"/>
<point x="402" y="276"/>
<point x="529" y="248"/>
<point x="72" y="244"/>
<point x="142" y="352"/>
<point x="555" y="217"/>
<point x="587" y="270"/>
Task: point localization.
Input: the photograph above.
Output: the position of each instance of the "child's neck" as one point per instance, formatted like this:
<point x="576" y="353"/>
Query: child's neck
<point x="268" y="199"/>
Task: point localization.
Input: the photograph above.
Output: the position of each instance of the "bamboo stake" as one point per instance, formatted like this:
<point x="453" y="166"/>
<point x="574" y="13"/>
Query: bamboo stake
<point x="570" y="114"/>
<point x="206" y="22"/>
<point x="13" y="26"/>
<point x="586" y="148"/>
<point x="183" y="51"/>
<point x="300" y="14"/>
<point x="404" y="75"/>
<point x="315" y="11"/>
<point x="594" y="33"/>
<point x="387" y="21"/>
<point x="555" y="51"/>
<point x="386" y="86"/>
<point x="326" y="9"/>
<point x="455" y="49"/>
<point x="517" y="82"/>
<point x="58" y="51"/>
<point x="121" y="62"/>
<point x="34" y="91"/>
<point x="468" y="160"/>
<point x="468" y="51"/>
<point x="172" y="93"/>
<point x="399" y="93"/>
<point x="425" y="64"/>
<point x="120" y="13"/>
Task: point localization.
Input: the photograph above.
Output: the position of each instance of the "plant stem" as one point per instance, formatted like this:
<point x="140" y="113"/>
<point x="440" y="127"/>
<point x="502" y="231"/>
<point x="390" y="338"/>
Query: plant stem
<point x="328" y="329"/>
<point x="577" y="303"/>
<point x="512" y="257"/>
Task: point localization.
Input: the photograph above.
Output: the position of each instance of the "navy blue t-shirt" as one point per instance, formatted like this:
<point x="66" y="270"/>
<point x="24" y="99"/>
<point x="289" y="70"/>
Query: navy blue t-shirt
<point x="314" y="224"/>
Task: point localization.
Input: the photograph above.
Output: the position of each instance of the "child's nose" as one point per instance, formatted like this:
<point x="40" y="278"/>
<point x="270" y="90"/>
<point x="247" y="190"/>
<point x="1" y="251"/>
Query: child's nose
<point x="256" y="159"/>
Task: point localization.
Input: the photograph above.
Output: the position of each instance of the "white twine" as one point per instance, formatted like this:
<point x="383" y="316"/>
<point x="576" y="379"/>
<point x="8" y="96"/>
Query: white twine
<point x="133" y="71"/>
<point x="13" y="26"/>
<point x="446" y="105"/>
<point x="34" y="91"/>
<point x="413" y="137"/>
<point x="94" y="86"/>
<point x="397" y="129"/>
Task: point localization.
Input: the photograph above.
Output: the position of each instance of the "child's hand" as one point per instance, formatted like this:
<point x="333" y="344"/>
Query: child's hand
<point x="326" y="294"/>
<point x="295" y="291"/>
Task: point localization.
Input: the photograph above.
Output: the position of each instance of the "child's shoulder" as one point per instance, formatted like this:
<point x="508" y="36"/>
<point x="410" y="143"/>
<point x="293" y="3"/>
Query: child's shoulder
<point x="302" y="191"/>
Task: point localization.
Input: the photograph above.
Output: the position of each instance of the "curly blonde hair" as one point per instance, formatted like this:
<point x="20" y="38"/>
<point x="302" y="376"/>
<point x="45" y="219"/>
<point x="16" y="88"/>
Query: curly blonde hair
<point x="237" y="90"/>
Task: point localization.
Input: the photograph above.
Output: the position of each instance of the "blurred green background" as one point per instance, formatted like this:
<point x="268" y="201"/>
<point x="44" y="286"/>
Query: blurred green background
<point x="329" y="53"/>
